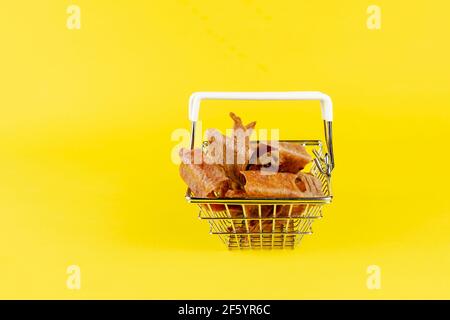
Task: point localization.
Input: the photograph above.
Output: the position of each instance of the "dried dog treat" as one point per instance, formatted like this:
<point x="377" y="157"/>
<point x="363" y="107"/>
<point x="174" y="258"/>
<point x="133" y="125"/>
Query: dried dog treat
<point x="309" y="185"/>
<point x="204" y="180"/>
<point x="241" y="136"/>
<point x="232" y="153"/>
<point x="191" y="156"/>
<point x="231" y="193"/>
<point x="262" y="157"/>
<point x="282" y="156"/>
<point x="276" y="185"/>
<point x="296" y="211"/>
<point x="267" y="226"/>
<point x="235" y="210"/>
<point x="292" y="157"/>
<point x="251" y="212"/>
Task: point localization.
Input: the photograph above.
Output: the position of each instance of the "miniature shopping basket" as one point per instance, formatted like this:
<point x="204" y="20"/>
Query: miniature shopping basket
<point x="274" y="223"/>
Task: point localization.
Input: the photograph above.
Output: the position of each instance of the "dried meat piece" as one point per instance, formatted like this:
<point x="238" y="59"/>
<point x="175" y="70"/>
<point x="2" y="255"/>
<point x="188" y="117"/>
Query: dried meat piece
<point x="266" y="212"/>
<point x="267" y="226"/>
<point x="191" y="156"/>
<point x="235" y="210"/>
<point x="293" y="157"/>
<point x="296" y="211"/>
<point x="235" y="194"/>
<point x="204" y="180"/>
<point x="253" y="226"/>
<point x="220" y="151"/>
<point x="282" y="185"/>
<point x="276" y="185"/>
<point x="241" y="136"/>
<point x="282" y="156"/>
<point x="281" y="212"/>
<point x="232" y="153"/>
<point x="262" y="158"/>
<point x="309" y="185"/>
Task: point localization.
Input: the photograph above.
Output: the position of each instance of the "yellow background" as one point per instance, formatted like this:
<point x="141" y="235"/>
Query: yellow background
<point x="86" y="119"/>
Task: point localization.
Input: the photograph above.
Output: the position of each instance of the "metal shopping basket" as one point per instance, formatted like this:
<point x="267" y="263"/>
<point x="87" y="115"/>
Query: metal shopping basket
<point x="262" y="222"/>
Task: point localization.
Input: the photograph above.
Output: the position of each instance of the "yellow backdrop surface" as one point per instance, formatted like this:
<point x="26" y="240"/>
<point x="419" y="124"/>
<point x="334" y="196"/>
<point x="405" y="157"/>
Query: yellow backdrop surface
<point x="86" y="117"/>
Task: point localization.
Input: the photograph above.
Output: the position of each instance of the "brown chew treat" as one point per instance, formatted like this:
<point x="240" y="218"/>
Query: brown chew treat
<point x="216" y="151"/>
<point x="235" y="194"/>
<point x="267" y="226"/>
<point x="281" y="185"/>
<point x="266" y="212"/>
<point x="297" y="210"/>
<point x="275" y="185"/>
<point x="293" y="157"/>
<point x="241" y="136"/>
<point x="237" y="210"/>
<point x="204" y="180"/>
<point x="309" y="185"/>
<point x="232" y="153"/>
<point x="251" y="211"/>
<point x="261" y="157"/>
<point x="289" y="156"/>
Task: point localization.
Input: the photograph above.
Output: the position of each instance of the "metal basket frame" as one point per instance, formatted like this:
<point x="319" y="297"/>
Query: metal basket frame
<point x="280" y="226"/>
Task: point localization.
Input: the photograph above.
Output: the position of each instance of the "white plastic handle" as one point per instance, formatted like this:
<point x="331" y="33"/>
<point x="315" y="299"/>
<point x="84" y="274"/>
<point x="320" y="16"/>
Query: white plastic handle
<point x="325" y="100"/>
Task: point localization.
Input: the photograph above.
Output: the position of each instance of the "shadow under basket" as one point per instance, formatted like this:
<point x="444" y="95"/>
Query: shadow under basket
<point x="266" y="223"/>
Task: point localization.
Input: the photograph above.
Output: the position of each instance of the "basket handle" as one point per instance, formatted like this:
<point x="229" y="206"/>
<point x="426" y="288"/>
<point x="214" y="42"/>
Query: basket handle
<point x="325" y="102"/>
<point x="197" y="97"/>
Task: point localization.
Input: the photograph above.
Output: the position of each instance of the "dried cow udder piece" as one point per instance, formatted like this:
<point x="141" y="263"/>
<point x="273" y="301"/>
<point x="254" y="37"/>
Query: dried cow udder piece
<point x="309" y="185"/>
<point x="231" y="193"/>
<point x="204" y="180"/>
<point x="282" y="211"/>
<point x="241" y="136"/>
<point x="293" y="157"/>
<point x="237" y="210"/>
<point x="232" y="153"/>
<point x="286" y="211"/>
<point x="252" y="212"/>
<point x="281" y="185"/>
<point x="275" y="185"/>
<point x="282" y="156"/>
<point x="267" y="226"/>
<point x="254" y="225"/>
<point x="217" y="153"/>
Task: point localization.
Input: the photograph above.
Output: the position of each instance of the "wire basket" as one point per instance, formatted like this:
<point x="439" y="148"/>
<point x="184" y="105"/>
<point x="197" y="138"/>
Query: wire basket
<point x="257" y="223"/>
